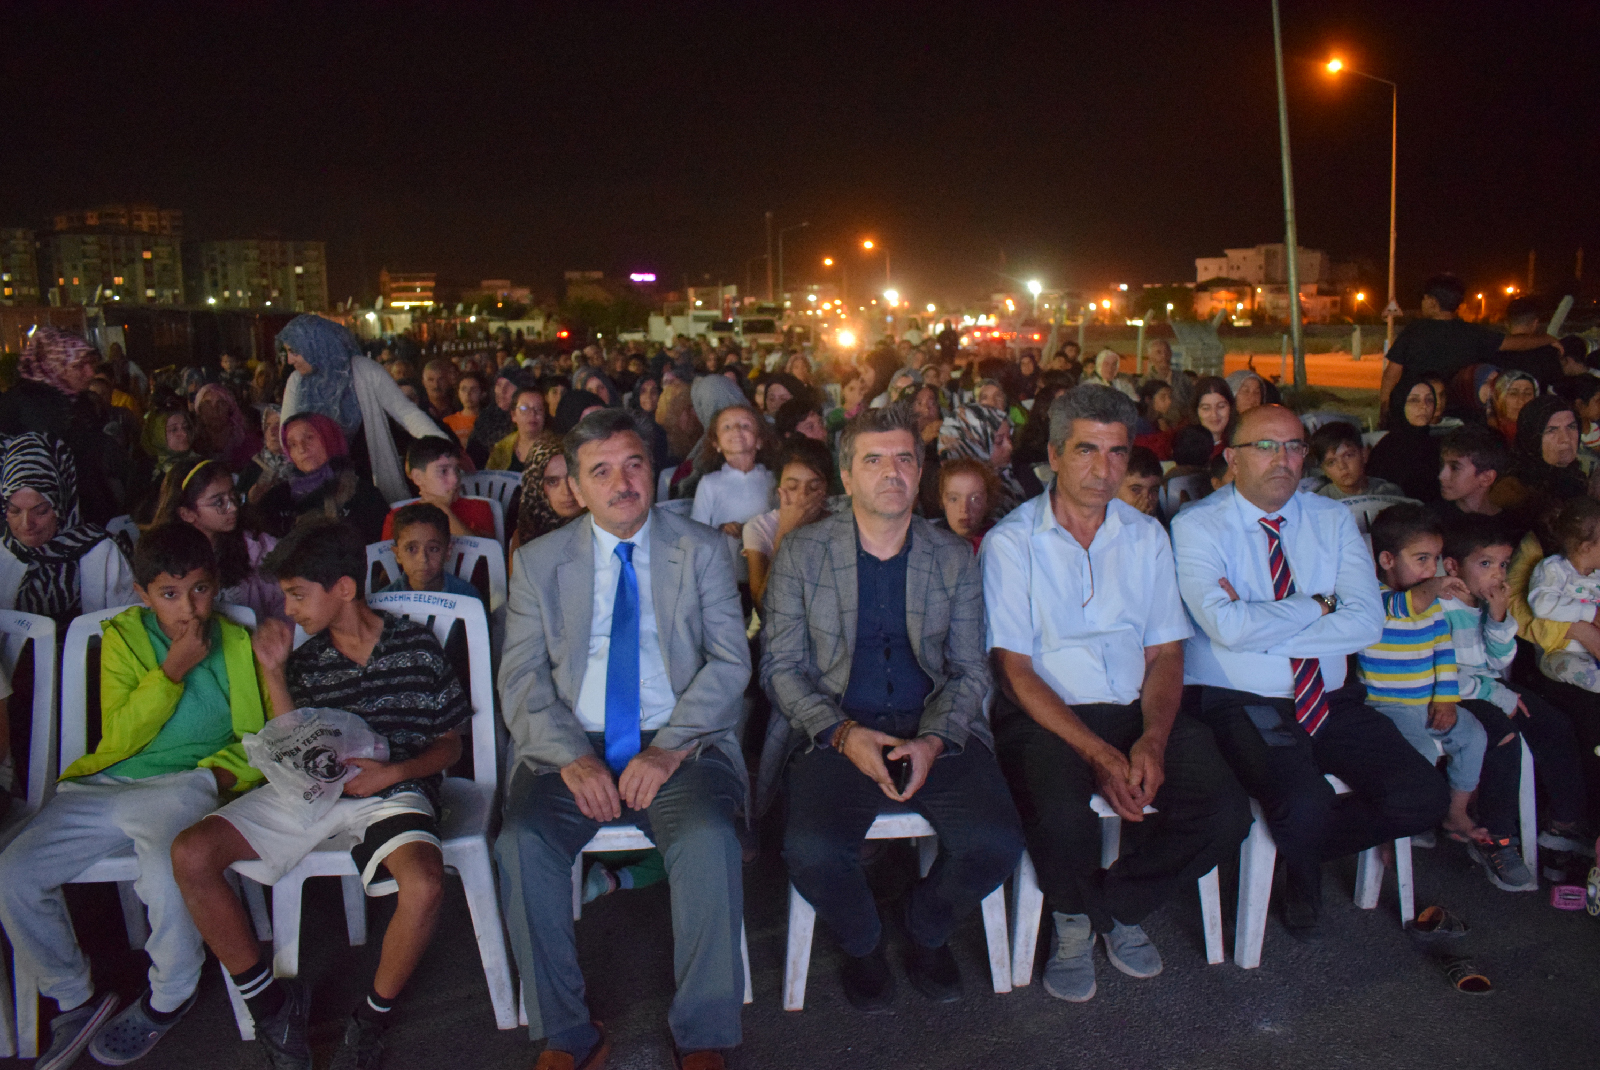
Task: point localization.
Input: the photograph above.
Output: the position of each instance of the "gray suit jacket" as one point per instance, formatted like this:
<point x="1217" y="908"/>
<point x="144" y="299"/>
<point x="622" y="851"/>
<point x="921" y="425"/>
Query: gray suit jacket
<point x="548" y="615"/>
<point x="809" y="637"/>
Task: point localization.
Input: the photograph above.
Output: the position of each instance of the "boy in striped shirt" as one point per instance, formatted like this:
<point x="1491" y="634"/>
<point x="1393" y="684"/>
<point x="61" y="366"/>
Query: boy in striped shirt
<point x="1410" y="673"/>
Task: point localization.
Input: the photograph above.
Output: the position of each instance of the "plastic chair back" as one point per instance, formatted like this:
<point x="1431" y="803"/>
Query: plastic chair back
<point x="1179" y="491"/>
<point x="466" y="552"/>
<point x="16" y="630"/>
<point x="495" y="485"/>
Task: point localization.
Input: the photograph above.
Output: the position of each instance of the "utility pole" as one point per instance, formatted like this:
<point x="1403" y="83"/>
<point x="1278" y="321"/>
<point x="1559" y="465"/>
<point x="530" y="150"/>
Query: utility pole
<point x="769" y="257"/>
<point x="1530" y="270"/>
<point x="1288" y="204"/>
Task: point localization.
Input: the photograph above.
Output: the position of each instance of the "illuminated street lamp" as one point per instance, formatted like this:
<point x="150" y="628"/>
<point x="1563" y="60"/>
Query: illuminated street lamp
<point x="1035" y="287"/>
<point x="1335" y="66"/>
<point x="844" y="279"/>
<point x="893" y="297"/>
<point x="869" y="245"/>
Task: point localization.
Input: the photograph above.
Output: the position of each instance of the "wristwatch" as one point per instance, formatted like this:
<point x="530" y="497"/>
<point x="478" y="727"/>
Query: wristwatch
<point x="1330" y="602"/>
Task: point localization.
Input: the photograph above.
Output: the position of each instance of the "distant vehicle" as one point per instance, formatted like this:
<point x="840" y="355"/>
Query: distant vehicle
<point x="747" y="330"/>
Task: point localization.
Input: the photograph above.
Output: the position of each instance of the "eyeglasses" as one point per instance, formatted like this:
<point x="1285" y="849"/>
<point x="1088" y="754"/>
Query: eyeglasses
<point x="530" y="408"/>
<point x="222" y="503"/>
<point x="1297" y="447"/>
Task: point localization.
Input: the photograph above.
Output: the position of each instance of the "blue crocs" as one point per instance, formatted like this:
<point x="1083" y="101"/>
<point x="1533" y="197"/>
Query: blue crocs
<point x="132" y="1034"/>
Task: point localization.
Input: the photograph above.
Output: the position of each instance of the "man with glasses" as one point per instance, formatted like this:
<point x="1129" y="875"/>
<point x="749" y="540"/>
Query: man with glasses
<point x="1283" y="590"/>
<point x="1086" y="629"/>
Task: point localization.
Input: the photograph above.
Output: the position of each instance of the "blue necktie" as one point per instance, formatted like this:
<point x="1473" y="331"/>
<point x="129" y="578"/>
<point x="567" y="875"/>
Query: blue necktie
<point x="622" y="667"/>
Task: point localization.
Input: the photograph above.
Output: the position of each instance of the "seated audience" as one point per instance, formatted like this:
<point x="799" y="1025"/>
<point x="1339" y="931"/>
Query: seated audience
<point x="1409" y="454"/>
<point x="202" y="495"/>
<point x="433" y="465"/>
<point x="1249" y="390"/>
<point x="1512" y="390"/>
<point x="803" y="476"/>
<point x="469" y="394"/>
<point x="983" y="433"/>
<point x="325" y="483"/>
<point x="1546" y="457"/>
<point x="224" y="435"/>
<point x="1141" y="483"/>
<point x="1582" y="392"/>
<point x="736" y="485"/>
<point x="546" y="501"/>
<point x="1158" y="418"/>
<point x="1337" y="449"/>
<point x="967" y="490"/>
<point x="1214" y="411"/>
<point x="271" y="465"/>
<point x="390" y="672"/>
<point x="1472" y="459"/>
<point x="511" y="453"/>
<point x="1564" y="588"/>
<point x="421" y="547"/>
<point x="495" y="417"/>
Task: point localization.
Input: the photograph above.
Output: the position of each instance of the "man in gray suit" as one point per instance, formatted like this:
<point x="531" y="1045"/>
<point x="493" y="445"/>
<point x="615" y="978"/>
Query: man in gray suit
<point x="874" y="649"/>
<point x="621" y="681"/>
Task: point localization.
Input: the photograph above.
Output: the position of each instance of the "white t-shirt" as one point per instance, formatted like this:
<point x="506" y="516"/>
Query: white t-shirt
<point x="731" y="496"/>
<point x="761" y="532"/>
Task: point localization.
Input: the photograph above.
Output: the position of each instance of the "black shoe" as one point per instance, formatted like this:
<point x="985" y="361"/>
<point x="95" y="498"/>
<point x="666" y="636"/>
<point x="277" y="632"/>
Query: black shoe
<point x="283" y="1034"/>
<point x="1302" y="901"/>
<point x="362" y="1048"/>
<point x="868" y="984"/>
<point x="933" y="972"/>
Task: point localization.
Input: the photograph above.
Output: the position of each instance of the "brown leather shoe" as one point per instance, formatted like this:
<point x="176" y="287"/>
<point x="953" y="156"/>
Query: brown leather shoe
<point x="560" y="1060"/>
<point x="700" y="1060"/>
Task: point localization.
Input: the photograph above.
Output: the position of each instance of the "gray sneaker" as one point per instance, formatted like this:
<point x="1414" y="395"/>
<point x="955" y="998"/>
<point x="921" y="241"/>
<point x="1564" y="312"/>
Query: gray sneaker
<point x="283" y="1035"/>
<point x="71" y="1031"/>
<point x="1069" y="974"/>
<point x="1504" y="866"/>
<point x="132" y="1034"/>
<point x="1131" y="951"/>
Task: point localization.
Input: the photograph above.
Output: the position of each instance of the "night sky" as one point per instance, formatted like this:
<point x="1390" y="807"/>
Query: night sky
<point x="1083" y="144"/>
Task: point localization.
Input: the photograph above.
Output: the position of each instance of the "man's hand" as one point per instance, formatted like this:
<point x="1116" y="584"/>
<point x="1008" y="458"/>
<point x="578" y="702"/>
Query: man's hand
<point x="864" y="747"/>
<point x="189" y="648"/>
<point x="731" y="528"/>
<point x="643" y="776"/>
<point x="922" y="751"/>
<point x="373" y="778"/>
<point x="1441" y="716"/>
<point x="225" y="779"/>
<point x="273" y="641"/>
<point x="1522" y="708"/>
<point x="1425" y="593"/>
<point x="592" y="788"/>
<point x="1146" y="769"/>
<point x="1113" y="776"/>
<point x="1227" y="589"/>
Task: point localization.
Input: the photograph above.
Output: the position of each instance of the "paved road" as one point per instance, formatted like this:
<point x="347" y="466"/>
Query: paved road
<point x="1361" y="998"/>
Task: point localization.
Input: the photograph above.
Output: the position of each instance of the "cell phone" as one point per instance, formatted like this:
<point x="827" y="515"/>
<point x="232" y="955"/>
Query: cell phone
<point x="899" y="771"/>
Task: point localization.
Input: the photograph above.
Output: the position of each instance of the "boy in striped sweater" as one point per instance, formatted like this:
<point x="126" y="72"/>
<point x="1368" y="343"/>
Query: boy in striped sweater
<point x="1410" y="673"/>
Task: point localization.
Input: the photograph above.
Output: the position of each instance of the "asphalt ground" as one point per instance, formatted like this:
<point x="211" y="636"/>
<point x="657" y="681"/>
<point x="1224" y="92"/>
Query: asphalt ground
<point x="1361" y="997"/>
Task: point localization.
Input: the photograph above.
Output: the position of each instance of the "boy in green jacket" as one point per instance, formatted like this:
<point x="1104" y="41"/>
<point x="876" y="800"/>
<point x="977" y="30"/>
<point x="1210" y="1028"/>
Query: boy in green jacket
<point x="178" y="689"/>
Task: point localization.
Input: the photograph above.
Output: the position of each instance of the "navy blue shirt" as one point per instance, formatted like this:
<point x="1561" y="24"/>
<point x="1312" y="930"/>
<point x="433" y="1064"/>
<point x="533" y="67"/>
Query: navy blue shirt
<point x="887" y="686"/>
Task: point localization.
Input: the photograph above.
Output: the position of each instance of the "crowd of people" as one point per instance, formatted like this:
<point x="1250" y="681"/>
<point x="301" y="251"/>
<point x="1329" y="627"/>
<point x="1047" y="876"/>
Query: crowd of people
<point x="955" y="581"/>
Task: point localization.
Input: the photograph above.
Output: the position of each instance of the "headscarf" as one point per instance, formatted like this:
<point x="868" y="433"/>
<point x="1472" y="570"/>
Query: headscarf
<point x="535" y="516"/>
<point x="1239" y="378"/>
<point x="238" y="431"/>
<point x="50" y="585"/>
<point x="1408" y="455"/>
<point x="494" y="423"/>
<point x="333" y="443"/>
<point x="970" y="432"/>
<point x="631" y="401"/>
<point x="154" y="439"/>
<point x="570" y="410"/>
<point x="581" y="377"/>
<point x="1534" y="470"/>
<point x="276" y="466"/>
<point x="51" y="351"/>
<point x="328" y="346"/>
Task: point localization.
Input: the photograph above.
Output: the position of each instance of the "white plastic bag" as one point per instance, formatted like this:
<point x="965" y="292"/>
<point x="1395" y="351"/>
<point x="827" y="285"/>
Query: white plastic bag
<point x="306" y="756"/>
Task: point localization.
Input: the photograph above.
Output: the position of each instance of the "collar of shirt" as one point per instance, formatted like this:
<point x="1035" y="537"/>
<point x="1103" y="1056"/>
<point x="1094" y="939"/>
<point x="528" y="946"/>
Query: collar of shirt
<point x="1046" y="526"/>
<point x="863" y="553"/>
<point x="1251" y="514"/>
<point x="605" y="547"/>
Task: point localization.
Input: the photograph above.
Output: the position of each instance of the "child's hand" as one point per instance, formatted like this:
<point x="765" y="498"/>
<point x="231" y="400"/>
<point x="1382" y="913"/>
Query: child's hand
<point x="1427" y="592"/>
<point x="1498" y="596"/>
<point x="373" y="778"/>
<point x="1441" y="716"/>
<point x="272" y="643"/>
<point x="189" y="648"/>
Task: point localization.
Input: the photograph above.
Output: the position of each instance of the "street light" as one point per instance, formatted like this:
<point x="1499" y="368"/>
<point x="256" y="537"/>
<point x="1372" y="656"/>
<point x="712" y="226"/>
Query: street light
<point x="893" y="297"/>
<point x="1335" y="66"/>
<point x="844" y="280"/>
<point x="869" y="245"/>
<point x="781" y="233"/>
<point x="1035" y="287"/>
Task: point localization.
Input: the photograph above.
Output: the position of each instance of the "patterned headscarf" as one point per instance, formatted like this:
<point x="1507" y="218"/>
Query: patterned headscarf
<point x="329" y="347"/>
<point x="969" y="432"/>
<point x="276" y="465"/>
<point x="237" y="430"/>
<point x="50" y="586"/>
<point x="51" y="351"/>
<point x="535" y="516"/>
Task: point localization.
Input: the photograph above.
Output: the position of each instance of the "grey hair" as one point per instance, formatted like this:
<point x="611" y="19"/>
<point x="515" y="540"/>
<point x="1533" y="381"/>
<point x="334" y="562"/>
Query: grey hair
<point x="1092" y="402"/>
<point x="597" y="427"/>
<point x="897" y="417"/>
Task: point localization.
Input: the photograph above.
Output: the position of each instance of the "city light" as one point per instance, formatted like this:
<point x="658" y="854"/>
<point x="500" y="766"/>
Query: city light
<point x="867" y="245"/>
<point x="811" y="297"/>
<point x="893" y="297"/>
<point x="827" y="261"/>
<point x="1169" y="306"/>
<point x="1335" y="66"/>
<point x="846" y="338"/>
<point x="1105" y="305"/>
<point x="930" y="307"/>
<point x="1123" y="287"/>
<point x="1035" y="287"/>
<point x="1360" y="296"/>
<point x="1511" y="289"/>
<point x="642" y="276"/>
<point x="372" y="315"/>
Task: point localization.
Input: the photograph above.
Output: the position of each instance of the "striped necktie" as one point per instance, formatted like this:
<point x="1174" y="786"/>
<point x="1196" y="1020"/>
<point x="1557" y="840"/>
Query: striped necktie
<point x="1310" y="699"/>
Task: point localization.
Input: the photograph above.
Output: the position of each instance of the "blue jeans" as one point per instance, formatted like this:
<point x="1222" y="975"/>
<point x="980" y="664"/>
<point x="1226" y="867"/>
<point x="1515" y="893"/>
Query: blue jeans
<point x="1464" y="742"/>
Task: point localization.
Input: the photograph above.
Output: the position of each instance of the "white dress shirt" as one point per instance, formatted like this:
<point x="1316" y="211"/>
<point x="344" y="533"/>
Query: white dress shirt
<point x="1246" y="645"/>
<point x="1084" y="616"/>
<point x="656" y="699"/>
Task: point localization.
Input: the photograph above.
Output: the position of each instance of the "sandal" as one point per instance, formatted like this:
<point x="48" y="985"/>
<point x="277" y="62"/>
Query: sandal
<point x="1437" y="922"/>
<point x="1465" y="976"/>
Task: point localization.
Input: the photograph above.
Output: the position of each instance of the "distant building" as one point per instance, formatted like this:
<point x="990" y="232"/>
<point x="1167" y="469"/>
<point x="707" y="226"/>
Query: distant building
<point x="1252" y="284"/>
<point x="142" y="218"/>
<point x="19" y="268"/>
<point x="97" y="266"/>
<point x="414" y="290"/>
<point x="263" y="273"/>
<point x="1263" y="265"/>
<point x="502" y="290"/>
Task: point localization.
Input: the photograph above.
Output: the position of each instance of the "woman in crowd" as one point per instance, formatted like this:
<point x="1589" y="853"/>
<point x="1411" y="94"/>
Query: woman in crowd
<point x="781" y="387"/>
<point x="1157" y="420"/>
<point x="51" y="398"/>
<point x="806" y="469"/>
<point x="494" y="421"/>
<point x="1249" y="391"/>
<point x="325" y="482"/>
<point x="547" y="501"/>
<point x="799" y="366"/>
<point x="967" y="487"/>
<point x="675" y="416"/>
<point x="575" y="405"/>
<point x="852" y="399"/>
<point x="202" y="495"/>
<point x="983" y="433"/>
<point x="1027" y="378"/>
<point x="223" y="435"/>
<point x="333" y="379"/>
<point x="641" y="403"/>
<point x="1409" y="453"/>
<point x="53" y="562"/>
<point x="469" y="392"/>
<point x="736" y="485"/>
<point x="511" y="453"/>
<point x="594" y="380"/>
<point x="264" y="385"/>
<point x="1512" y="390"/>
<point x="169" y="439"/>
<point x="1213" y="410"/>
<point x="1547" y="460"/>
<point x="270" y="466"/>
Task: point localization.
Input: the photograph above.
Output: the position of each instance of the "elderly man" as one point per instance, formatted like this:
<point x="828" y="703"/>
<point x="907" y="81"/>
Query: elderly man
<point x="1283" y="590"/>
<point x="1107" y="372"/>
<point x="1158" y="365"/>
<point x="1086" y="628"/>
<point x="621" y="681"/>
<point x="874" y="656"/>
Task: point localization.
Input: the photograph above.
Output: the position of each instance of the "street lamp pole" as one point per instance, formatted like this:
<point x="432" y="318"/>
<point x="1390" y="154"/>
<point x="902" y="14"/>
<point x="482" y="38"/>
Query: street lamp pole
<point x="1288" y="204"/>
<point x="781" y="233"/>
<point x="1334" y="67"/>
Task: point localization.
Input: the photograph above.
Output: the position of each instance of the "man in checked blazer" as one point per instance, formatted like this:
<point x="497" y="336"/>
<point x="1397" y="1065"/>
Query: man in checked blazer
<point x="874" y="649"/>
<point x="621" y="680"/>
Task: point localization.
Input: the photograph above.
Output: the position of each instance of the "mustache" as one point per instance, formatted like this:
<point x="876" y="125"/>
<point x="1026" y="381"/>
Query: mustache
<point x="624" y="496"/>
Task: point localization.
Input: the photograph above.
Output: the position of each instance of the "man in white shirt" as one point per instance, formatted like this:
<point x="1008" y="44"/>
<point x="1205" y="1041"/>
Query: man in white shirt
<point x="1086" y="628"/>
<point x="621" y="681"/>
<point x="1283" y="590"/>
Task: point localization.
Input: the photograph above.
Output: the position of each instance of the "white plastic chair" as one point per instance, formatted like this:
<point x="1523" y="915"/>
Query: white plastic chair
<point x="494" y="507"/>
<point x="1179" y="491"/>
<point x="493" y="484"/>
<point x="623" y="838"/>
<point x="122" y="868"/>
<point x="678" y="506"/>
<point x="465" y="553"/>
<point x="463" y="826"/>
<point x="896" y="825"/>
<point x="123" y="528"/>
<point x="16" y="629"/>
<point x="1364" y="508"/>
<point x="1027" y="898"/>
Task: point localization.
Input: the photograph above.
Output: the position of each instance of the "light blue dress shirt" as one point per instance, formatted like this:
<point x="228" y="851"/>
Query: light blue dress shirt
<point x="656" y="699"/>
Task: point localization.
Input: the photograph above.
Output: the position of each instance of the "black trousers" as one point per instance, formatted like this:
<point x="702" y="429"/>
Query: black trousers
<point x="831" y="806"/>
<point x="1202" y="815"/>
<point x="1394" y="792"/>
<point x="1547" y="733"/>
<point x="1582" y="709"/>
